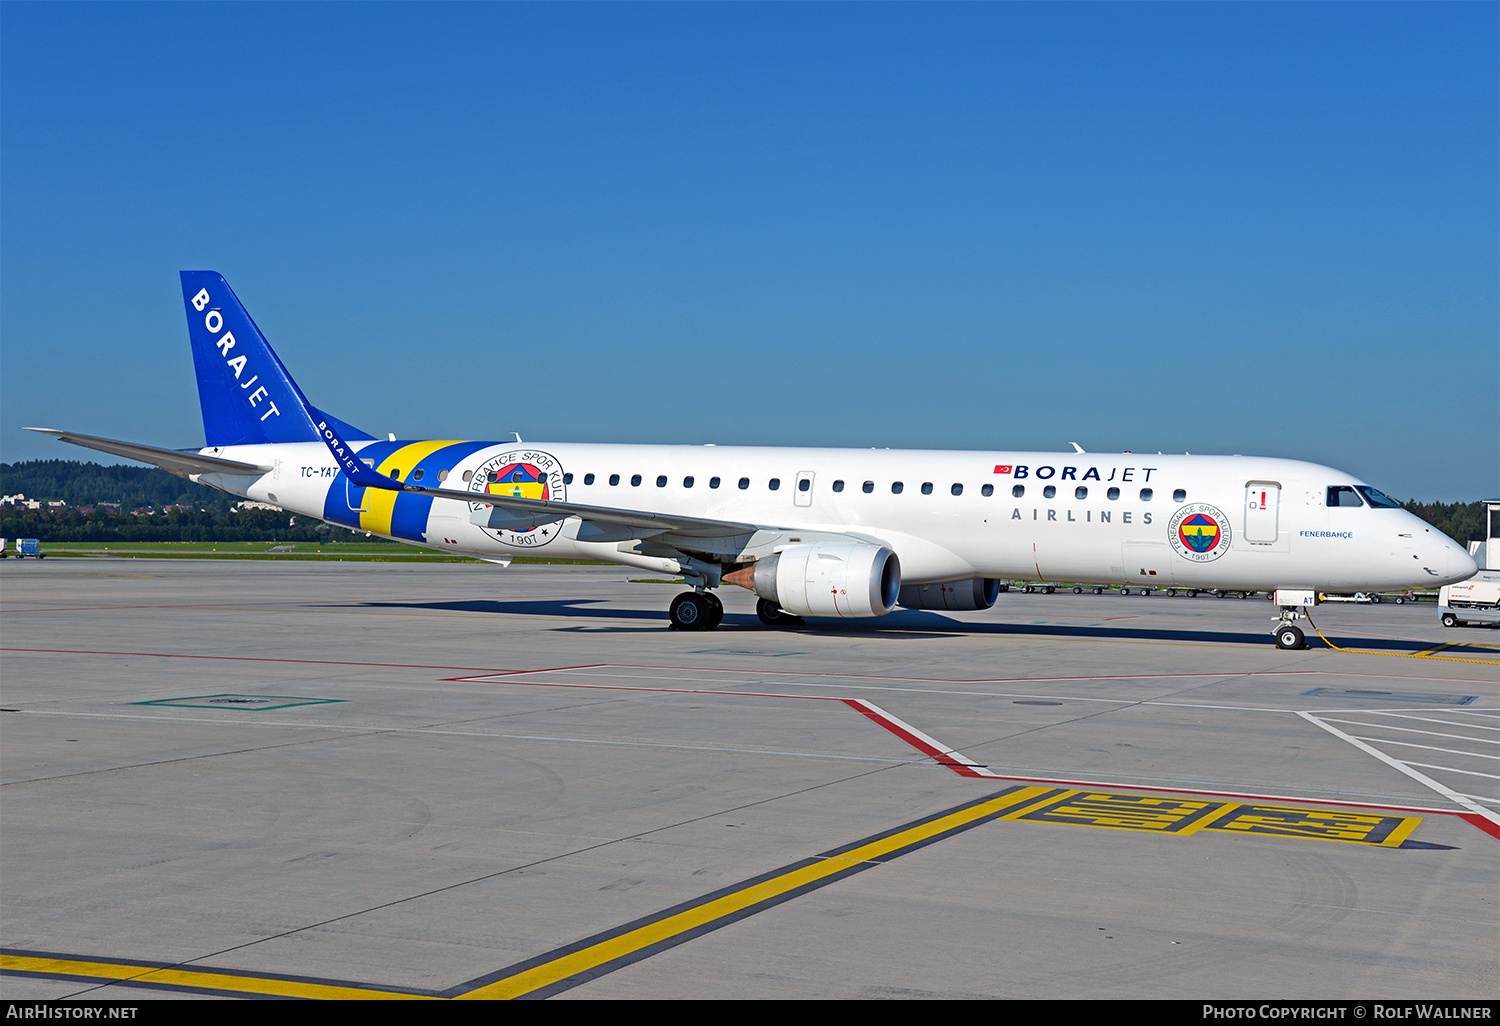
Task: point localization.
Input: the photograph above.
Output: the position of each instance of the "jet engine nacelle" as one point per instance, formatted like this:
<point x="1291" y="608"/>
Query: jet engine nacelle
<point x="975" y="593"/>
<point x="853" y="579"/>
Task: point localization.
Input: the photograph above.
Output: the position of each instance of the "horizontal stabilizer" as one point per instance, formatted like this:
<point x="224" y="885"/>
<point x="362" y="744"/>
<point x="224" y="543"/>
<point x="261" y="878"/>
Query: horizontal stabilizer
<point x="179" y="462"/>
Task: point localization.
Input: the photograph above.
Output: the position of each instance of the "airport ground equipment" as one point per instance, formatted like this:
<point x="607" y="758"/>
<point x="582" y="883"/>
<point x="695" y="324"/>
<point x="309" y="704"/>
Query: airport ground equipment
<point x="29" y="547"/>
<point x="1476" y="601"/>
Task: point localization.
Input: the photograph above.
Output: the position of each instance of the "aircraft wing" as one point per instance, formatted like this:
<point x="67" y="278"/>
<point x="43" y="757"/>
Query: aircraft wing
<point x="642" y="520"/>
<point x="178" y="461"/>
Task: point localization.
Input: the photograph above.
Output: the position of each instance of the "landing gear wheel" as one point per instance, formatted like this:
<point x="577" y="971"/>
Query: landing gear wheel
<point x="1289" y="637"/>
<point x="691" y="612"/>
<point x="772" y="615"/>
<point x="1449" y="620"/>
<point x="715" y="610"/>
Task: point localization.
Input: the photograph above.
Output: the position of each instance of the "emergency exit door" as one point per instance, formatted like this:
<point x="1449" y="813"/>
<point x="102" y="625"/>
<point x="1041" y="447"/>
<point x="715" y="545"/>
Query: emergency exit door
<point x="1262" y="501"/>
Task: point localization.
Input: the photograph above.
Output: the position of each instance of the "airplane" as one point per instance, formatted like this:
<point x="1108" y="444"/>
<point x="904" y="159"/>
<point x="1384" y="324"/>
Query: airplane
<point x="812" y="532"/>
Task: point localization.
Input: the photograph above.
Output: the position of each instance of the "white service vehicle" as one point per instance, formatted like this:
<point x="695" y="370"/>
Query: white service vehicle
<point x="1476" y="601"/>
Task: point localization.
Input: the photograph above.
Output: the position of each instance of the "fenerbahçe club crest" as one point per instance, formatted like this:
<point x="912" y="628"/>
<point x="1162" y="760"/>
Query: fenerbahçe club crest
<point x="524" y="474"/>
<point x="1199" y="532"/>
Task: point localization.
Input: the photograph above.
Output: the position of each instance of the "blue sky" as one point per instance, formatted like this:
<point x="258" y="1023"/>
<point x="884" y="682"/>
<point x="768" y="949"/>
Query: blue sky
<point x="1253" y="228"/>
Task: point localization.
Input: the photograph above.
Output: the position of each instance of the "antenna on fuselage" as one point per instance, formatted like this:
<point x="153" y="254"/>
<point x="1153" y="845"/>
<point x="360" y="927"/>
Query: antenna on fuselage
<point x="1076" y="447"/>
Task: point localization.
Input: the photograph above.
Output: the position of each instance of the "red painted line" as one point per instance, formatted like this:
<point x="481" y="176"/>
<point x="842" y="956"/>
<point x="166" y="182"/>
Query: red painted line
<point x="918" y="743"/>
<point x="638" y="687"/>
<point x="1488" y="826"/>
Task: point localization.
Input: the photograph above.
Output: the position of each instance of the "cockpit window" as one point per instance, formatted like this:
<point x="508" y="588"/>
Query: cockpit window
<point x="1377" y="499"/>
<point x="1343" y="495"/>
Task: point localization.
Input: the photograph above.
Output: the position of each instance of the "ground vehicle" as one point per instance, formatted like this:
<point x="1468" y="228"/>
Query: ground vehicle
<point x="1472" y="602"/>
<point x="29" y="547"/>
<point x="1476" y="601"/>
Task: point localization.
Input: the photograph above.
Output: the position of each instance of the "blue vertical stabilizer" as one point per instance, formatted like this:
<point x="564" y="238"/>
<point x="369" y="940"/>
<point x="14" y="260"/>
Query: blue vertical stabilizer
<point x="248" y="397"/>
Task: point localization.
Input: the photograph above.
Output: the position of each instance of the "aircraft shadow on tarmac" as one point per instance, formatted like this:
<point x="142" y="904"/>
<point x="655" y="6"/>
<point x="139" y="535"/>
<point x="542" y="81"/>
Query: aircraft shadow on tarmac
<point x="903" y="623"/>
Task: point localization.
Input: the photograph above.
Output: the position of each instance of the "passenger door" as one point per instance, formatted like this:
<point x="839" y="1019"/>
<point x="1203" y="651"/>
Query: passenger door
<point x="1262" y="505"/>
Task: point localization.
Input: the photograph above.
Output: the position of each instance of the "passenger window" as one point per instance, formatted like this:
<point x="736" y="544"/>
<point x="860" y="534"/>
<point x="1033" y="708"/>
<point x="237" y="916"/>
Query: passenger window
<point x="416" y="475"/>
<point x="957" y="489"/>
<point x="1080" y="492"/>
<point x="987" y="490"/>
<point x="1049" y="492"/>
<point x="775" y="483"/>
<point x="868" y="487"/>
<point x="713" y="482"/>
<point x="896" y="487"/>
<point x="1113" y="493"/>
<point x="687" y="482"/>
<point x="588" y="479"/>
<point x="1343" y="495"/>
<point x="1018" y="491"/>
<point x="635" y="480"/>
<point x="838" y="486"/>
<point x="744" y="483"/>
<point x="567" y="479"/>
<point x="442" y="475"/>
<point x="396" y="474"/>
<point x="614" y="479"/>
<point x="1146" y="494"/>
<point x="468" y="476"/>
<point x="1179" y="495"/>
<point x="803" y="485"/>
<point x="661" y="481"/>
<point x="926" y="487"/>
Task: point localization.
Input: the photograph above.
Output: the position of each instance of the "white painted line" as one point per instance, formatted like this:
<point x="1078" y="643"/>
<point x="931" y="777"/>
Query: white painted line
<point x="1429" y="748"/>
<point x="1414" y="730"/>
<point x="921" y="741"/>
<point x="1429" y="719"/>
<point x="1450" y="769"/>
<point x="1401" y="767"/>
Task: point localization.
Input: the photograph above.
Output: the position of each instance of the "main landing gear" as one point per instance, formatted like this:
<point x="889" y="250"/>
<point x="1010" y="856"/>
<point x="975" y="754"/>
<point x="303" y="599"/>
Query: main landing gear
<point x="773" y="615"/>
<point x="696" y="611"/>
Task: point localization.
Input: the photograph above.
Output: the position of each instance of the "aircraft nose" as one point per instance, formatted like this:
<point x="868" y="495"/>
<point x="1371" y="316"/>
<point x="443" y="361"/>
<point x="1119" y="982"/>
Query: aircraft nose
<point x="1450" y="564"/>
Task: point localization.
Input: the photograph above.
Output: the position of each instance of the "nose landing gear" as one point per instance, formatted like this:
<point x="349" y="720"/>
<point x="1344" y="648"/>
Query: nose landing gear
<point x="1290" y="637"/>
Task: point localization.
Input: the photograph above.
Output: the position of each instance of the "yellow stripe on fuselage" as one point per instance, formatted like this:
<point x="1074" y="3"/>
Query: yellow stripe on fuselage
<point x="380" y="503"/>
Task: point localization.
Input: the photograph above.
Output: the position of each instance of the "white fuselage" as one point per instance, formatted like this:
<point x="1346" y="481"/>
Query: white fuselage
<point x="1188" y="521"/>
